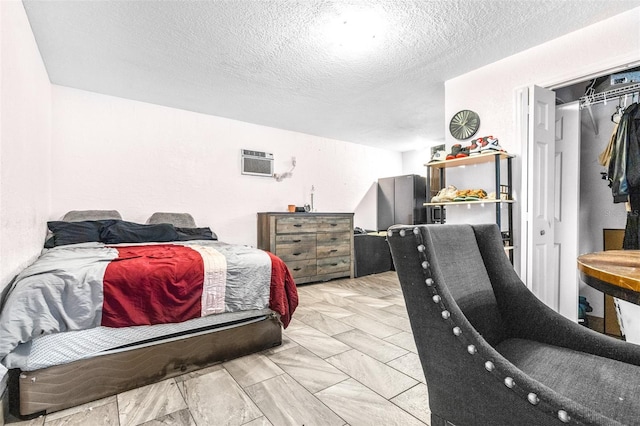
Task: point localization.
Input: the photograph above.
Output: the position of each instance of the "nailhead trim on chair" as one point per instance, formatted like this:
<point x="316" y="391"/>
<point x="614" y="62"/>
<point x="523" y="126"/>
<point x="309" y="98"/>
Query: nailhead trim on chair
<point x="532" y="398"/>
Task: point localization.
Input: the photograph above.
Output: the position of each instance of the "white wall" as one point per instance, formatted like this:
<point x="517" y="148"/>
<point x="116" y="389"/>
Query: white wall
<point x="138" y="158"/>
<point x="25" y="135"/>
<point x="490" y="90"/>
<point x="413" y="162"/>
<point x="25" y="129"/>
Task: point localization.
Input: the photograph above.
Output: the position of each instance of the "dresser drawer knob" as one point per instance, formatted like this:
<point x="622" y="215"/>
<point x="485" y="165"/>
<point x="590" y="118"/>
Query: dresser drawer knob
<point x="297" y="269"/>
<point x="333" y="250"/>
<point x="333" y="224"/>
<point x="297" y="254"/>
<point x="334" y="264"/>
<point x="297" y="241"/>
<point x="297" y="225"/>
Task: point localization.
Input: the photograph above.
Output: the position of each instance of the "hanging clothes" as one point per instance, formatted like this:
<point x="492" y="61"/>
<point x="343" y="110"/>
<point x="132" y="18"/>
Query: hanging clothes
<point x="624" y="172"/>
<point x="633" y="159"/>
<point x="631" y="239"/>
<point x="605" y="156"/>
<point x="618" y="163"/>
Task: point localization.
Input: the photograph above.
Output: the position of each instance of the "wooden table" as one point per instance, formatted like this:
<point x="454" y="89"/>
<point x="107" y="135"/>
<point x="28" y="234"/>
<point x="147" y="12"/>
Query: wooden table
<point x="614" y="272"/>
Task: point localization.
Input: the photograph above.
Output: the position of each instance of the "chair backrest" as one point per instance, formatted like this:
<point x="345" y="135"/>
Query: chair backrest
<point x="457" y="263"/>
<point x="454" y="314"/>
<point x="81" y="215"/>
<point x="181" y="220"/>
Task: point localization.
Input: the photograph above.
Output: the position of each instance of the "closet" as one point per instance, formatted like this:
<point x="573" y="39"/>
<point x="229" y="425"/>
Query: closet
<point x="602" y="102"/>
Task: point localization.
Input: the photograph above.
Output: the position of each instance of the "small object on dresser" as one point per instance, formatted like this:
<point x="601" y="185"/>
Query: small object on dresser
<point x="300" y="209"/>
<point x="292" y="208"/>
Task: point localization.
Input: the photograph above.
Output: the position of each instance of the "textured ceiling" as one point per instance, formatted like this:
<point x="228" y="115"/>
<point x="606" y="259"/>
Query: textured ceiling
<point x="287" y="64"/>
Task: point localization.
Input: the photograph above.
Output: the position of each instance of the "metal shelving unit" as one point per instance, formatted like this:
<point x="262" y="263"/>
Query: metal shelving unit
<point x="436" y="211"/>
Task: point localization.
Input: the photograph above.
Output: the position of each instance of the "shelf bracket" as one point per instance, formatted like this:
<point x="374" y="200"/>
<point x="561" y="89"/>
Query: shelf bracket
<point x="593" y="121"/>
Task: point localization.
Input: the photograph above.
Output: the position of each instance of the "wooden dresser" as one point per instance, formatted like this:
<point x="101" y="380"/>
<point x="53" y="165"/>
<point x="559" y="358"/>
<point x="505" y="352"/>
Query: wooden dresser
<point x="315" y="246"/>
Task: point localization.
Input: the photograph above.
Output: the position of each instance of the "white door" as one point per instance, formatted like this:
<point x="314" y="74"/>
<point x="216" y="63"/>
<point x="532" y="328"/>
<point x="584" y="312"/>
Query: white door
<point x="566" y="207"/>
<point x="541" y="266"/>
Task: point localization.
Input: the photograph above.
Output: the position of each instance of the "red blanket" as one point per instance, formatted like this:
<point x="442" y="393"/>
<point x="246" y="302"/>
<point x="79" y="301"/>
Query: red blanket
<point x="284" y="295"/>
<point x="162" y="283"/>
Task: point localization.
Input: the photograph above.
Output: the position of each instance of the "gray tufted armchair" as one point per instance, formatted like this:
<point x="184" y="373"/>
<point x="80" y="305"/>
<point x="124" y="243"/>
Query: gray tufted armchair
<point x="491" y="352"/>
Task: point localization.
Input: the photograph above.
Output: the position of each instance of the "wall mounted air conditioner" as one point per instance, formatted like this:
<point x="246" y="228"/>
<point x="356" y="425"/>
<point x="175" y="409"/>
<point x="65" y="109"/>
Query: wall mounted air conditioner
<point x="256" y="163"/>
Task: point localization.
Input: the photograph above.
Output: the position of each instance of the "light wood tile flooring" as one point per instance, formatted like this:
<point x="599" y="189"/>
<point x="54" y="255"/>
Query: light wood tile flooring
<point x="348" y="358"/>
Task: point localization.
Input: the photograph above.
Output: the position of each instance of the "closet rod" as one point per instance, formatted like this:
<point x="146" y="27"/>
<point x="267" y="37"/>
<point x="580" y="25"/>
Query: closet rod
<point x="612" y="94"/>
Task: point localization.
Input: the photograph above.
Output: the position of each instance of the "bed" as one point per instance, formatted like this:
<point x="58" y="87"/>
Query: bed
<point x="112" y="305"/>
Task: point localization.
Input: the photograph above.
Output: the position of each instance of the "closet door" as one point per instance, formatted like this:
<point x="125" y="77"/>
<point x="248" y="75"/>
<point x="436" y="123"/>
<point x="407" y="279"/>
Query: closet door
<point x="566" y="207"/>
<point x="541" y="255"/>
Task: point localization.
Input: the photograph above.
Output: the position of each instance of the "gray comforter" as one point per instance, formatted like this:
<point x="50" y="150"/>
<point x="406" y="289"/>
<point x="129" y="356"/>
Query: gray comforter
<point x="63" y="289"/>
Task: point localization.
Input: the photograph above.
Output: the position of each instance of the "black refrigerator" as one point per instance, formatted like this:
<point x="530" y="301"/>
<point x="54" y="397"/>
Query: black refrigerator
<point x="401" y="201"/>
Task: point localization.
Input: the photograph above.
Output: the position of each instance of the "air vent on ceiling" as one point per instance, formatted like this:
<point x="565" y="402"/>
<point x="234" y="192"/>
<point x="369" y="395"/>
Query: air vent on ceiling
<point x="257" y="163"/>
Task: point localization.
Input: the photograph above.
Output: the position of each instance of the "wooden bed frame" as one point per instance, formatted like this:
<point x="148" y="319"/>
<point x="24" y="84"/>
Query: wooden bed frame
<point x="33" y="393"/>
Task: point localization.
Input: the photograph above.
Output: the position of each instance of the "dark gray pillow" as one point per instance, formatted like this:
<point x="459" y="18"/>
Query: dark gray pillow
<point x="128" y="232"/>
<point x="65" y="233"/>
<point x="187" y="234"/>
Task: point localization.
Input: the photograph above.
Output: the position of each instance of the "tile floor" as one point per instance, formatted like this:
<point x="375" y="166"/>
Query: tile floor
<point x="348" y="358"/>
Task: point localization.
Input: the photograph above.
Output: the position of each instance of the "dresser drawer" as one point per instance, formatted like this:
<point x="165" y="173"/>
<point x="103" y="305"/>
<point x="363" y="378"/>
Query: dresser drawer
<point x="334" y="224"/>
<point x="293" y="224"/>
<point x="299" y="252"/>
<point x="334" y="244"/>
<point x="302" y="268"/>
<point x="296" y="246"/>
<point x="330" y="265"/>
<point x="295" y="239"/>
